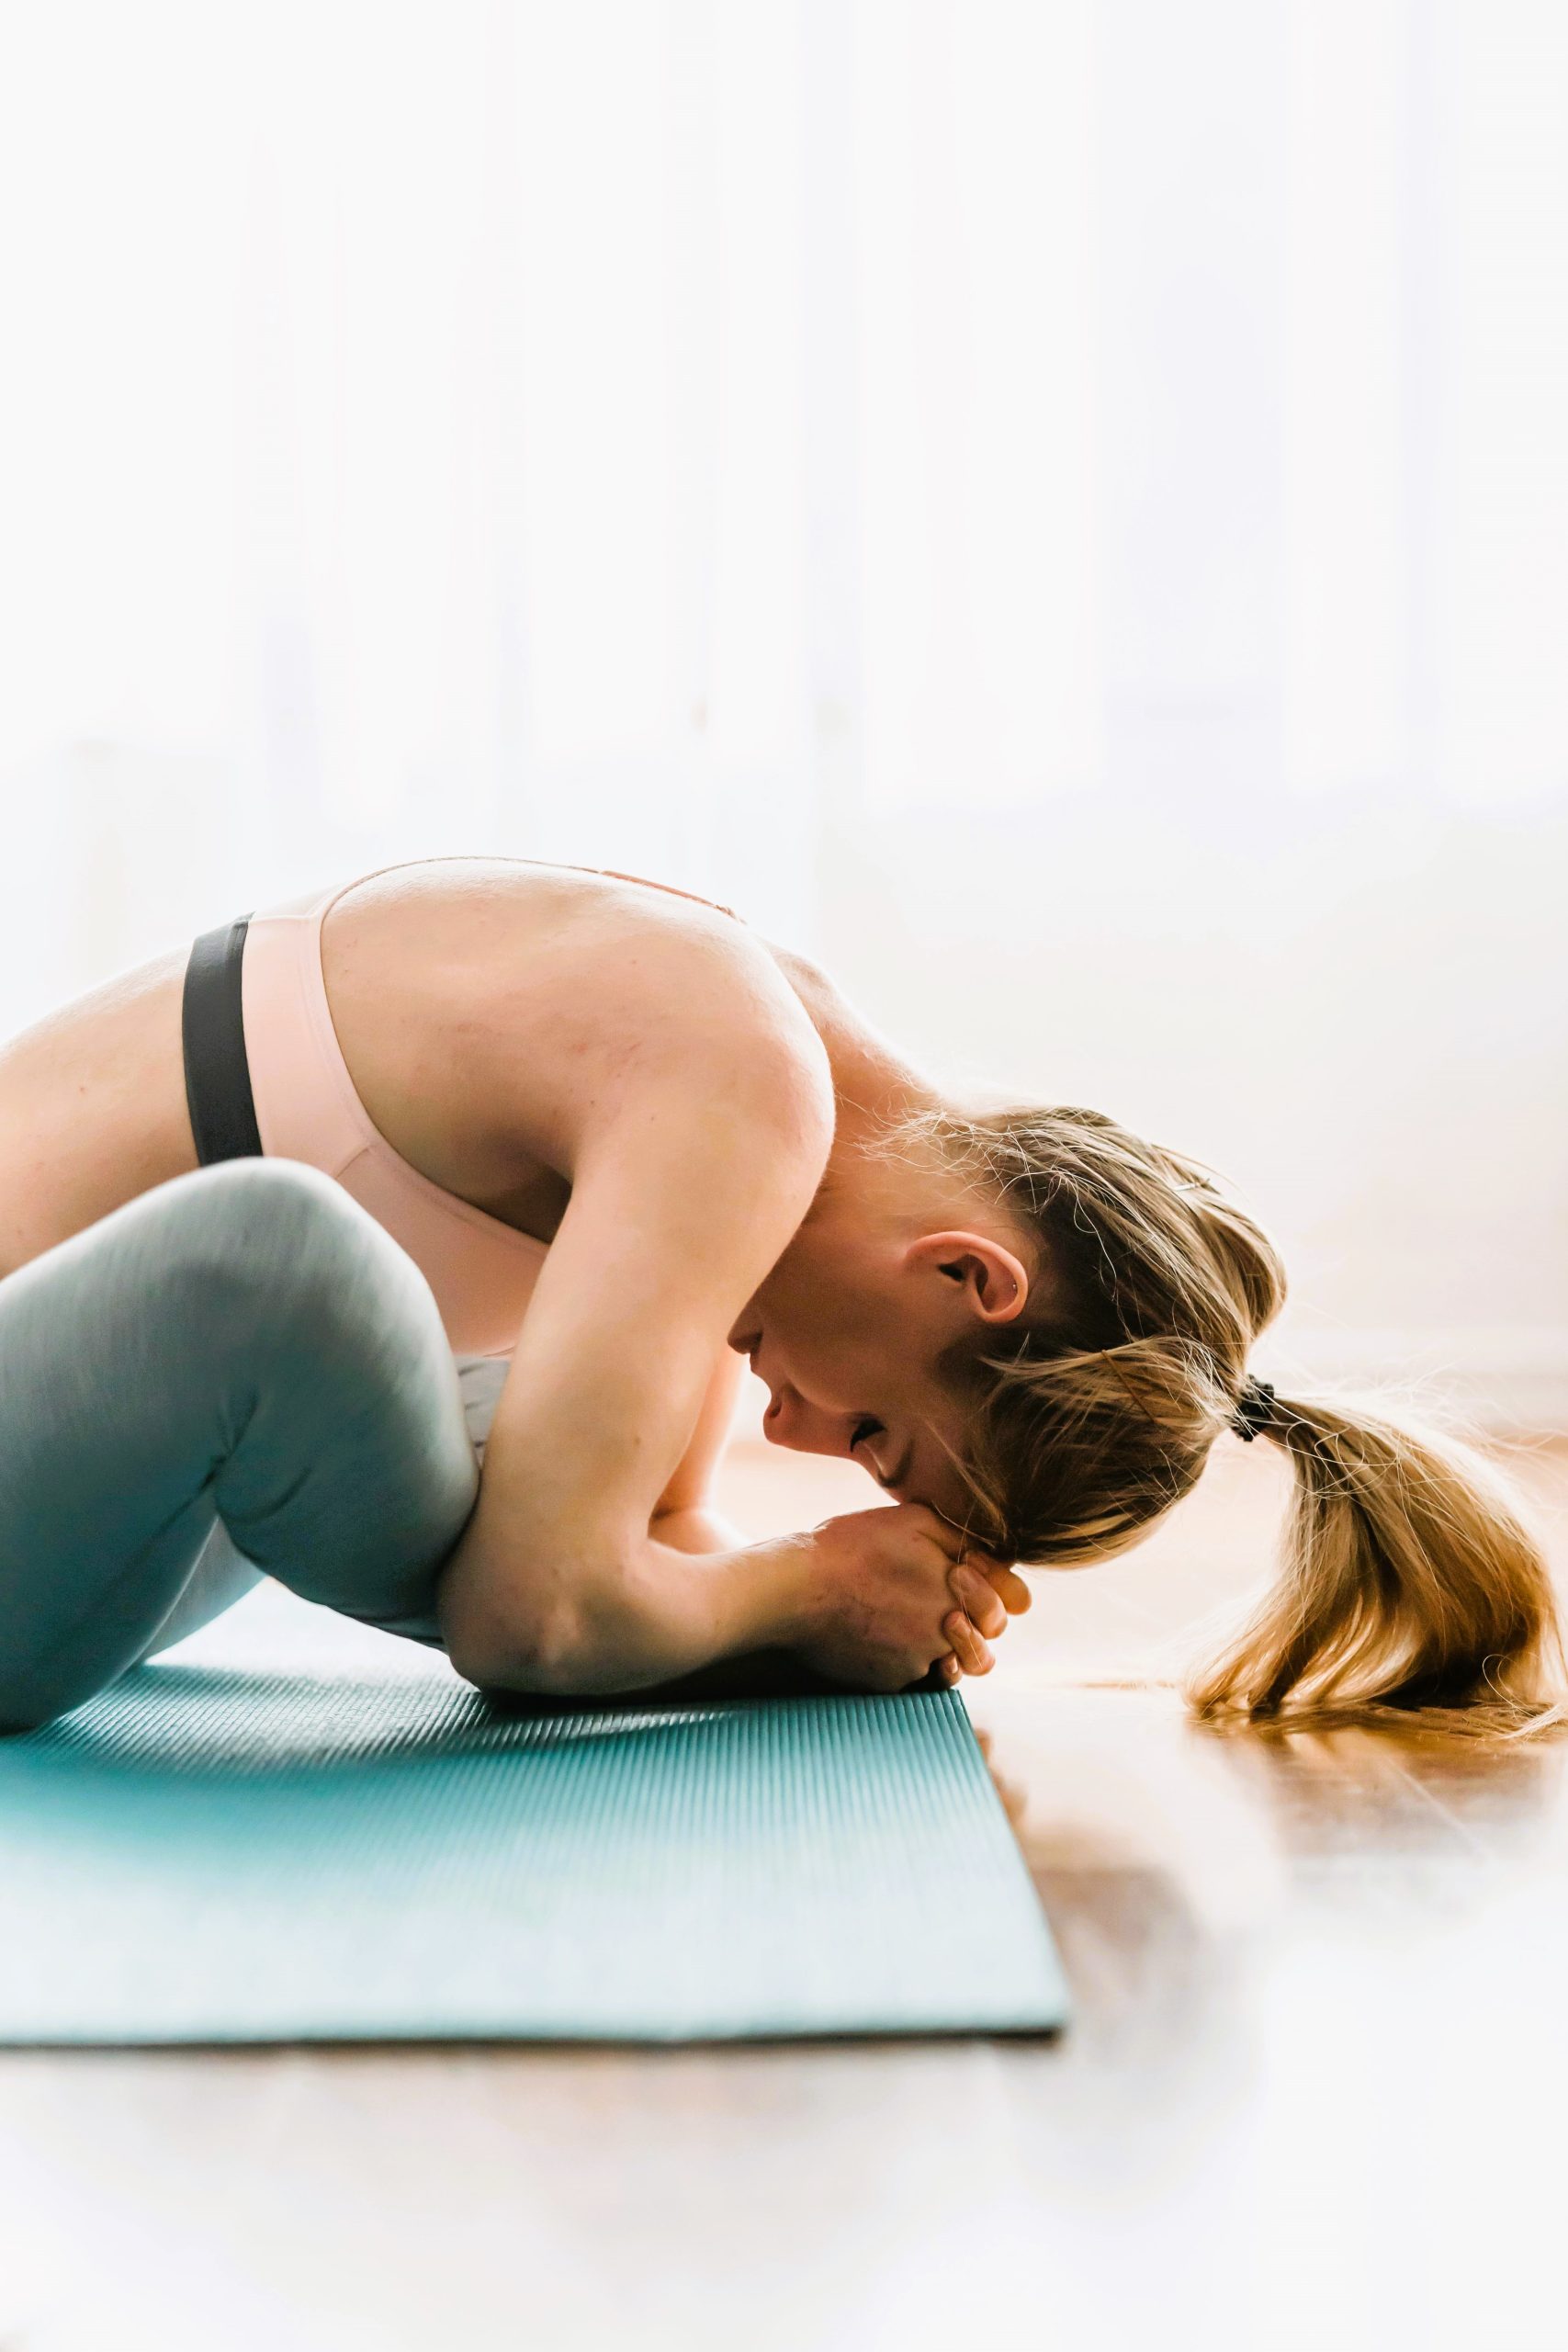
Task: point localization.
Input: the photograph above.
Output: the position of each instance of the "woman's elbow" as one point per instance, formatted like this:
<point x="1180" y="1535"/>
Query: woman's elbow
<point x="496" y="1649"/>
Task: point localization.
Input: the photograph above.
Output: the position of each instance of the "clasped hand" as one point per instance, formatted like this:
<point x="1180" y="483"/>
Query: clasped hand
<point x="896" y="1591"/>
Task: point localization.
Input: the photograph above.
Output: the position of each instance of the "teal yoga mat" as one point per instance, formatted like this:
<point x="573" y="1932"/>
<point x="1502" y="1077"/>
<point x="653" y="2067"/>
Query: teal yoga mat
<point x="204" y="1856"/>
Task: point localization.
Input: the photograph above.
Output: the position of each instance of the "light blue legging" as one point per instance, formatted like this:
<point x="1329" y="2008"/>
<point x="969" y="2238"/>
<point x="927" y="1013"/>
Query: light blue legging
<point x="240" y="1372"/>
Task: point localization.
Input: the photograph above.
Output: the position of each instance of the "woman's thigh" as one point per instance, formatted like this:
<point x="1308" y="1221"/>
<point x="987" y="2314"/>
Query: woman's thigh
<point x="243" y="1345"/>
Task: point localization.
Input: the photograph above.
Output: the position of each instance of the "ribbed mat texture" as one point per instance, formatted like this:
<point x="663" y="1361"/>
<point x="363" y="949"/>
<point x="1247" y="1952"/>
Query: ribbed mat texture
<point x="210" y="1856"/>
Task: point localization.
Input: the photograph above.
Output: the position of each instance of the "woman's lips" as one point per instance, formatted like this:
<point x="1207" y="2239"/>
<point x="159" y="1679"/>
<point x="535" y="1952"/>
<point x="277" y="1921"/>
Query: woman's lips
<point x="776" y="1403"/>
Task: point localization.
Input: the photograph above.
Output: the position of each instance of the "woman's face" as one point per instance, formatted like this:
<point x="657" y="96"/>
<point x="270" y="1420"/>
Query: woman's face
<point x="848" y="1331"/>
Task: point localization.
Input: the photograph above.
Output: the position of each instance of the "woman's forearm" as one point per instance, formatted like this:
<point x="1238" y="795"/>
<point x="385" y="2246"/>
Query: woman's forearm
<point x="651" y="1614"/>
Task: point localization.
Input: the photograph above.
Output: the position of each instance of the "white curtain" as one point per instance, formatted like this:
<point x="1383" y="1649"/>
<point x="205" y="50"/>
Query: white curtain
<point x="1077" y="484"/>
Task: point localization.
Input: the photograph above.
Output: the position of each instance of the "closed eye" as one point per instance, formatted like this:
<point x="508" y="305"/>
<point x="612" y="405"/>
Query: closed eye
<point x="896" y="1478"/>
<point x="868" y="1428"/>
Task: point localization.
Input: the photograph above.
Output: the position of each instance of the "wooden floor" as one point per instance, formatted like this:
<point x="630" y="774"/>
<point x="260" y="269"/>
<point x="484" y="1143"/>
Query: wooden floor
<point x="1313" y="2095"/>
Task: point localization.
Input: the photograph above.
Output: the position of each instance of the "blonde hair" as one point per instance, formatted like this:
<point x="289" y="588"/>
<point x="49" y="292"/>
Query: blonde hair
<point x="1412" y="1589"/>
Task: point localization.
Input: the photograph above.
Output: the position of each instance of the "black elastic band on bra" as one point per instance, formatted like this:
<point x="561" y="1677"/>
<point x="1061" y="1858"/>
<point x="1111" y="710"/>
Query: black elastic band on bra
<point x="217" y="1074"/>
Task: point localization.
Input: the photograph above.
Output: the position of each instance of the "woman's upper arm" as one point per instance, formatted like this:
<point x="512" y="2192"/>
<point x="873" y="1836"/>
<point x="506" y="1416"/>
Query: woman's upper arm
<point x="685" y="1191"/>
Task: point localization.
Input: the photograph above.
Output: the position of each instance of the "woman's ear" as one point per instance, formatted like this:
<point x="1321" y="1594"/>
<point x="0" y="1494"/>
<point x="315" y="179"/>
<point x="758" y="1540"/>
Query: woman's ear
<point x="995" y="1282"/>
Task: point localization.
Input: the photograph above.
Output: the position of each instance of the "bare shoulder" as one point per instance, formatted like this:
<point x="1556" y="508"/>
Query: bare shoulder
<point x="545" y="1005"/>
<point x="690" y="998"/>
<point x="727" y="1043"/>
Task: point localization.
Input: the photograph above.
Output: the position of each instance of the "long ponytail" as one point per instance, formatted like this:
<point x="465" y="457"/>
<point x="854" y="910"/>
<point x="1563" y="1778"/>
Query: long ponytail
<point x="1413" y="1591"/>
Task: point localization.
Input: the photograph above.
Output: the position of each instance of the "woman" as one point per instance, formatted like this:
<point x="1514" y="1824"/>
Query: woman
<point x="623" y="1137"/>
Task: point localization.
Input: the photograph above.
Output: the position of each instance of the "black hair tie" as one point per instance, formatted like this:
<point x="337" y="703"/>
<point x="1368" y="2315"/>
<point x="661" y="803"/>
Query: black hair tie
<point x="1254" y="1409"/>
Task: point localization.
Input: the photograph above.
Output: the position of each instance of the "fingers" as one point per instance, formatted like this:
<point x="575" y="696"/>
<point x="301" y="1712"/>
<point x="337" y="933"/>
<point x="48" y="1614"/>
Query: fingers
<point x="956" y="1547"/>
<point x="1006" y="1583"/>
<point x="1004" y="1576"/>
<point x="987" y="1595"/>
<point x="973" y="1652"/>
<point x="979" y="1600"/>
<point x="948" y="1668"/>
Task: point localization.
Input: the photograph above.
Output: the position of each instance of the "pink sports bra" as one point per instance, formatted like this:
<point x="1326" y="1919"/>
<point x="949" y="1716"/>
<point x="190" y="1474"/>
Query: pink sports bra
<point x="481" y="1270"/>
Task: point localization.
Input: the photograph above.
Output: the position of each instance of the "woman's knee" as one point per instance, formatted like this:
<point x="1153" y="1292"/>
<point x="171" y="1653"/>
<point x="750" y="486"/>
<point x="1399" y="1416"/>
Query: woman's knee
<point x="317" y="1310"/>
<point x="289" y="1250"/>
<point x="253" y="1212"/>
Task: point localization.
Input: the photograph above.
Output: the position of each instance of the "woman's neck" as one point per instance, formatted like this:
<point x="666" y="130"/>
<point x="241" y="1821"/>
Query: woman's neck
<point x="874" y="1084"/>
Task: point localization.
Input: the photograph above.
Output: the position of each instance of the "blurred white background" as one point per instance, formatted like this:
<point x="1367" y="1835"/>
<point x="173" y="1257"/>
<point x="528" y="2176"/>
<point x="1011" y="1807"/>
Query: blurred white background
<point x="1058" y="507"/>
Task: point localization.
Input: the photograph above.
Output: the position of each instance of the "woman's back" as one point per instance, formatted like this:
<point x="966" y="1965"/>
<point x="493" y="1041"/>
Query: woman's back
<point x="479" y="1007"/>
